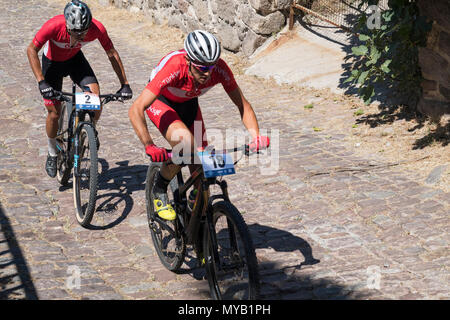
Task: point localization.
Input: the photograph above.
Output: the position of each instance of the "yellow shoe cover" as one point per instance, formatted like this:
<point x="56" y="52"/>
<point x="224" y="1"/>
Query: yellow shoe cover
<point x="165" y="212"/>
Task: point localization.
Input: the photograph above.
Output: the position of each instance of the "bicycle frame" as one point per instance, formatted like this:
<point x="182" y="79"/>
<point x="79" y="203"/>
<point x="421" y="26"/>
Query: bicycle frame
<point x="192" y="223"/>
<point x="75" y="124"/>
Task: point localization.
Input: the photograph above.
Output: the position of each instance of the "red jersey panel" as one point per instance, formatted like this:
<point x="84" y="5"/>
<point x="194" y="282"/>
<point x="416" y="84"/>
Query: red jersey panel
<point x="171" y="78"/>
<point x="53" y="34"/>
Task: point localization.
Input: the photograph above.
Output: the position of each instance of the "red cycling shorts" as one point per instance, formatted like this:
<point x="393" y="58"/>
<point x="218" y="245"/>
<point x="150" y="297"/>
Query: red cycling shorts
<point x="163" y="112"/>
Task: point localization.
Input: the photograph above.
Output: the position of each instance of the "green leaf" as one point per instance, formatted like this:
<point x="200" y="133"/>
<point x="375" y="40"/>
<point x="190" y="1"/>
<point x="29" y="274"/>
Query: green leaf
<point x="385" y="66"/>
<point x="368" y="93"/>
<point x="309" y="106"/>
<point x="374" y="55"/>
<point x="349" y="79"/>
<point x="363" y="37"/>
<point x="387" y="16"/>
<point x="360" y="51"/>
<point x="363" y="77"/>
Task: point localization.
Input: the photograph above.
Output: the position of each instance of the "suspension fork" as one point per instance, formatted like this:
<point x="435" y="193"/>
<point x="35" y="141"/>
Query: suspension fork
<point x="210" y="221"/>
<point x="79" y="124"/>
<point x="223" y="185"/>
<point x="76" y="154"/>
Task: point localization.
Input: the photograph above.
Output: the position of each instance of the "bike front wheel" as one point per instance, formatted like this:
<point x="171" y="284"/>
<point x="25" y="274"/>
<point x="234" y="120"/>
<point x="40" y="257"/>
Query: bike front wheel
<point x="233" y="274"/>
<point x="167" y="237"/>
<point x="85" y="183"/>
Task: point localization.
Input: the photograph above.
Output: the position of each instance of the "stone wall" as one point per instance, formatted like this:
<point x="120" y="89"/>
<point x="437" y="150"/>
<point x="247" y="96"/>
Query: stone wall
<point x="240" y="25"/>
<point x="435" y="59"/>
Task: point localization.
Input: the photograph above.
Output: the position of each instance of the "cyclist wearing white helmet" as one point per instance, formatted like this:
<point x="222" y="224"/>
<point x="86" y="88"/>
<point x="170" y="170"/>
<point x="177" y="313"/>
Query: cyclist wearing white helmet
<point x="62" y="38"/>
<point x="170" y="99"/>
<point x="202" y="47"/>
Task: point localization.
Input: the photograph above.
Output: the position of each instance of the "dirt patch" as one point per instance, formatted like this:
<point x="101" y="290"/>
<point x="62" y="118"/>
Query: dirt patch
<point x="397" y="136"/>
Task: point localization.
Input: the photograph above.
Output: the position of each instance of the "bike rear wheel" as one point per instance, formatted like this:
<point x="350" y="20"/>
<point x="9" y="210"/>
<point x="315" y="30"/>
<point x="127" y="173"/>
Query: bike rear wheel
<point x="235" y="275"/>
<point x="85" y="184"/>
<point x="169" y="243"/>
<point x="63" y="168"/>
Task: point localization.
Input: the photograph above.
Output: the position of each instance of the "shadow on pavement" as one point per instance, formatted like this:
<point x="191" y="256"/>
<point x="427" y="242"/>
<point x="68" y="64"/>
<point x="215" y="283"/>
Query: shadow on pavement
<point x="119" y="182"/>
<point x="279" y="281"/>
<point x="277" y="285"/>
<point x="265" y="237"/>
<point x="15" y="279"/>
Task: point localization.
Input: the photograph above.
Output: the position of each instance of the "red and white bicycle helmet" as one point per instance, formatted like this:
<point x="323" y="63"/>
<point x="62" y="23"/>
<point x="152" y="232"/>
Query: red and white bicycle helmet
<point x="202" y="47"/>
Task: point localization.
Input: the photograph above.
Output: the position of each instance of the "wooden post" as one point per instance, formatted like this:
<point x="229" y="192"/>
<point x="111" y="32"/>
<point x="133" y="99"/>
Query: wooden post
<point x="291" y="17"/>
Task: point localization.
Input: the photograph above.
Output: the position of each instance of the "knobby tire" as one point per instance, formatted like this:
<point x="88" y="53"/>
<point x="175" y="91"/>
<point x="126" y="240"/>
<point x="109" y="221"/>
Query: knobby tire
<point x="172" y="259"/>
<point x="244" y="290"/>
<point x="85" y="212"/>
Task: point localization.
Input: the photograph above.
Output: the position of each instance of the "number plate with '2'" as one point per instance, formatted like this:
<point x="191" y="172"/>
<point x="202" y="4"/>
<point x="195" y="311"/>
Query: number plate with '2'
<point x="87" y="101"/>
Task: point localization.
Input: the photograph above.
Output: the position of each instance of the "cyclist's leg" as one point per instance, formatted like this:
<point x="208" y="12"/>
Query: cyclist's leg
<point x="53" y="74"/>
<point x="198" y="131"/>
<point x="167" y="121"/>
<point x="83" y="75"/>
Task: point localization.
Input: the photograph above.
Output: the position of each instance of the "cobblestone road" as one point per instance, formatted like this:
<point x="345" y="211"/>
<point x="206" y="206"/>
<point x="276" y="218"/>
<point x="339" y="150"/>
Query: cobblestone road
<point x="376" y="234"/>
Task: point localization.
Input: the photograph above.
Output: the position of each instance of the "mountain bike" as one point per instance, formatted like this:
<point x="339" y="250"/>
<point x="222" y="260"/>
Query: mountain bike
<point x="77" y="145"/>
<point x="210" y="224"/>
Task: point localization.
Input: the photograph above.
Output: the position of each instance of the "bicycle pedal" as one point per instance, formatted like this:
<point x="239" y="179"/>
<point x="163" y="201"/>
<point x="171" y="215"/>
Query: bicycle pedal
<point x="154" y="227"/>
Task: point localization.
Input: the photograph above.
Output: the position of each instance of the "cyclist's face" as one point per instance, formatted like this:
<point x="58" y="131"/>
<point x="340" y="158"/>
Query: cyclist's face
<point x="78" y="35"/>
<point x="201" y="73"/>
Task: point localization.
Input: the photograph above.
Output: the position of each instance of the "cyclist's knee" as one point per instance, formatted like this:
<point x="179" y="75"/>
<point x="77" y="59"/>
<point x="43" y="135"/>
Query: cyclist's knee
<point x="94" y="88"/>
<point x="53" y="114"/>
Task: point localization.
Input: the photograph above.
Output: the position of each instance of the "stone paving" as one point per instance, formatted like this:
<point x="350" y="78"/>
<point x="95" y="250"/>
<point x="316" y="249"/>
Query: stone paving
<point x="369" y="232"/>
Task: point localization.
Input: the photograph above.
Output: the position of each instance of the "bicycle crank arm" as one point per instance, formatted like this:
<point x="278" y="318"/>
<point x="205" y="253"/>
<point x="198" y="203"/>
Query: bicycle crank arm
<point x="163" y="224"/>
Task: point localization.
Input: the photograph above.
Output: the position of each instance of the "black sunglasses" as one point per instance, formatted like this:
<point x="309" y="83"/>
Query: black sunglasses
<point x="78" y="33"/>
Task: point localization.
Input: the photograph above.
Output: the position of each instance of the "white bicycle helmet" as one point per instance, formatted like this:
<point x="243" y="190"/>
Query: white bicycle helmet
<point x="77" y="15"/>
<point x="202" y="47"/>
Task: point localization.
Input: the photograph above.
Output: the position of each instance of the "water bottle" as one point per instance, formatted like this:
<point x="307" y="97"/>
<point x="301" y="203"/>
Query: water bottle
<point x="191" y="198"/>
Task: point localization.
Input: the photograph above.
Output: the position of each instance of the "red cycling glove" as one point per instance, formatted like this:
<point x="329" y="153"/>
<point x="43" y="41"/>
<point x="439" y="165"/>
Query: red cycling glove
<point x="156" y="154"/>
<point x="259" y="143"/>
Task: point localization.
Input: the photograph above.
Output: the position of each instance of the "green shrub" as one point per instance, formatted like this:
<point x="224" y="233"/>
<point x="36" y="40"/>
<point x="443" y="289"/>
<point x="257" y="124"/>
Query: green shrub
<point x="388" y="53"/>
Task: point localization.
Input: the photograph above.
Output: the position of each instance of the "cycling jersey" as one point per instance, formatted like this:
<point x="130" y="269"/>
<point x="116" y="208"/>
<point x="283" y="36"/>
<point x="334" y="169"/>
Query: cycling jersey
<point x="56" y="39"/>
<point x="171" y="78"/>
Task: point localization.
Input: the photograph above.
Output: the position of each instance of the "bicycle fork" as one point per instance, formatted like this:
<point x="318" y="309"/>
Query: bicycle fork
<point x="210" y="224"/>
<point x="210" y="221"/>
<point x="77" y="148"/>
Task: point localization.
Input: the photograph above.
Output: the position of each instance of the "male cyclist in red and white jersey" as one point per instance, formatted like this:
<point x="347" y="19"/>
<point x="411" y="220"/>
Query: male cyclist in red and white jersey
<point x="171" y="102"/>
<point x="63" y="37"/>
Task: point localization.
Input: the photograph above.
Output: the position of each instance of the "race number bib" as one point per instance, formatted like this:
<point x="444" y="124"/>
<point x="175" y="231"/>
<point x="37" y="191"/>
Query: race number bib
<point x="87" y="101"/>
<point x="216" y="164"/>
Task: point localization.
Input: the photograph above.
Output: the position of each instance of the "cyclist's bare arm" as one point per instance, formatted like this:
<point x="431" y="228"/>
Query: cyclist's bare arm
<point x="117" y="65"/>
<point x="33" y="58"/>
<point x="136" y="113"/>
<point x="245" y="108"/>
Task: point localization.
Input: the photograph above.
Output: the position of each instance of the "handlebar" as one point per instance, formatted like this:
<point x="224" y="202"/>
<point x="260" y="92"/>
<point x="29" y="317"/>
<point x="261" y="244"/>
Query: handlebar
<point x="244" y="148"/>
<point x="64" y="96"/>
